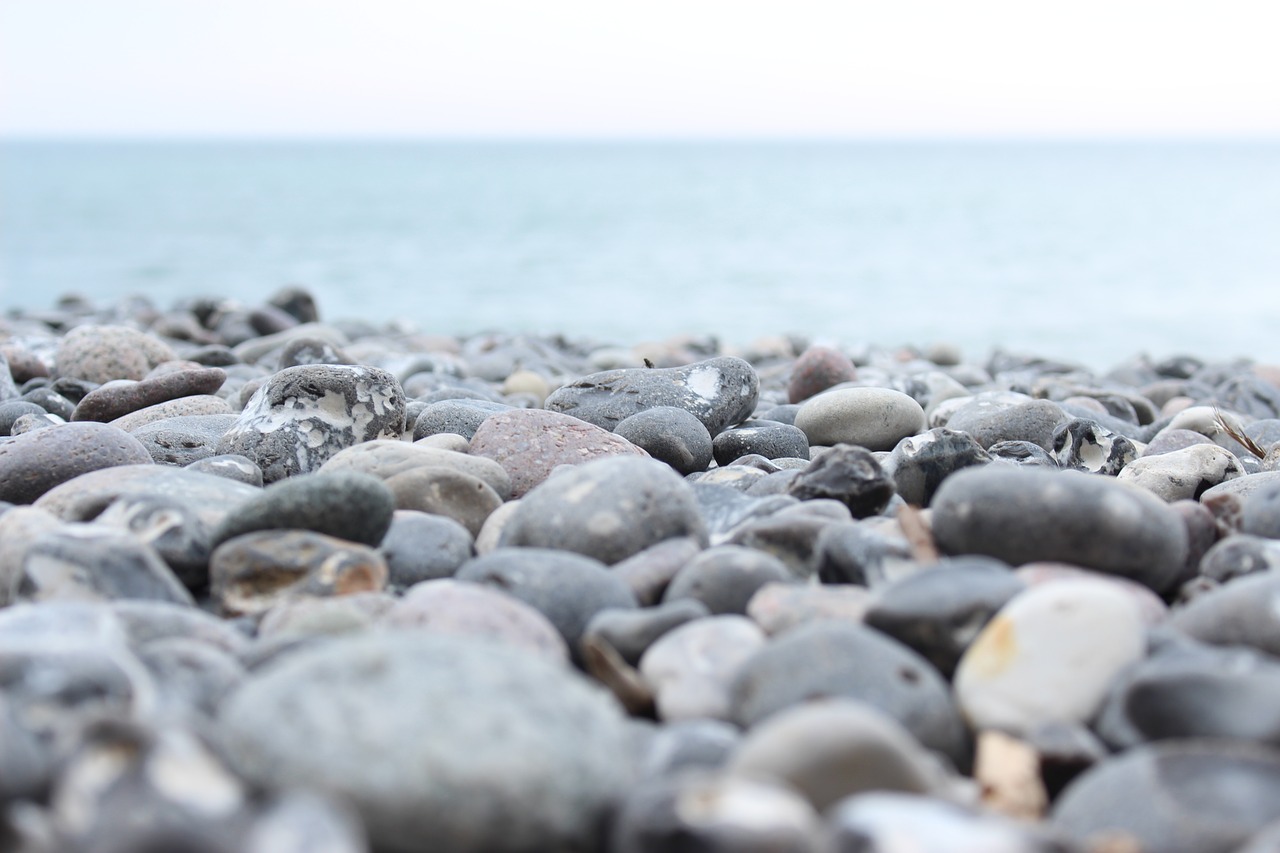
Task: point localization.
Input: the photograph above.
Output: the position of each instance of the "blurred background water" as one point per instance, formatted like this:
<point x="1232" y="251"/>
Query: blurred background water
<point x="1090" y="251"/>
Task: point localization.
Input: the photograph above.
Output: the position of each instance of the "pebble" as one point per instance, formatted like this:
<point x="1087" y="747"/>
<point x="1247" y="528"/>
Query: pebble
<point x="252" y="572"/>
<point x="345" y="504"/>
<point x="817" y="369"/>
<point x="608" y="509"/>
<point x="779" y="607"/>
<point x="1184" y="474"/>
<point x="990" y="422"/>
<point x="671" y="435"/>
<point x="1179" y="796"/>
<point x="691" y="668"/>
<point x="1086" y="445"/>
<point x="849" y="474"/>
<point x="384" y="459"/>
<point x="92" y="562"/>
<point x="347" y="717"/>
<point x="648" y="572"/>
<point x="303" y="416"/>
<point x="1242" y="612"/>
<point x="724" y="578"/>
<point x="460" y="609"/>
<point x="120" y="397"/>
<point x="770" y="440"/>
<point x="36" y="462"/>
<point x="103" y="353"/>
<point x="1049" y="656"/>
<point x="445" y="492"/>
<point x="631" y="631"/>
<point x="874" y="418"/>
<point x="897" y="822"/>
<point x="530" y="443"/>
<point x="184" y="439"/>
<point x="565" y="587"/>
<point x="837" y="659"/>
<point x="422" y="547"/>
<point x="1239" y="555"/>
<point x="1028" y="515"/>
<point x="461" y="417"/>
<point x="919" y="464"/>
<point x="720" y="392"/>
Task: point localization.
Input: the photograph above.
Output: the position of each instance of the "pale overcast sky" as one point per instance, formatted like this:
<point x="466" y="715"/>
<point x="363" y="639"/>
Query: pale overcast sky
<point x="573" y="68"/>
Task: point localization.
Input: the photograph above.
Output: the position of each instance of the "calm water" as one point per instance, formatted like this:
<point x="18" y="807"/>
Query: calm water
<point x="1089" y="251"/>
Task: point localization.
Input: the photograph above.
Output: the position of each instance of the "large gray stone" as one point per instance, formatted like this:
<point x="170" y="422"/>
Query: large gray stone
<point x="35" y="462"/>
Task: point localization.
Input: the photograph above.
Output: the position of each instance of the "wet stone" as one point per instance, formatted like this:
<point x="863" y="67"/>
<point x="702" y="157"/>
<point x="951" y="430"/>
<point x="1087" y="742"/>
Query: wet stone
<point x="940" y="610"/>
<point x="252" y="572"/>
<point x="568" y="588"/>
<point x="848" y="474"/>
<point x="120" y="397"/>
<point x="508" y="730"/>
<point x="671" y="435"/>
<point x="720" y="392"/>
<point x="421" y="547"/>
<point x="817" y="369"/>
<point x="874" y="418"/>
<point x="1027" y="515"/>
<point x="348" y="505"/>
<point x="454" y="608"/>
<point x="608" y="509"/>
<point x="34" y="463"/>
<point x="303" y="416"/>
<point x="772" y="441"/>
<point x="530" y="443"/>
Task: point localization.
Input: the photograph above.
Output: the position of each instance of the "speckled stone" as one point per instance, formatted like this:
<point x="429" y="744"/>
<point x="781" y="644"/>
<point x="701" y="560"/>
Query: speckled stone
<point x="530" y="443"/>
<point x="120" y="397"/>
<point x="770" y="440"/>
<point x="1086" y="445"/>
<point x="33" y="463"/>
<point x="874" y="418"/>
<point x="720" y="392"/>
<point x="1183" y="474"/>
<point x="183" y="440"/>
<point x="920" y="463"/>
<point x="102" y="353"/>
<point x="303" y="416"/>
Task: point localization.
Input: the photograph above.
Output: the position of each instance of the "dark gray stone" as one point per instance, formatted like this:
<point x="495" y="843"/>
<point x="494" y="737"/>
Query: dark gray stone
<point x="460" y="417"/>
<point x="116" y="399"/>
<point x="51" y="401"/>
<point x="302" y="416"/>
<point x="11" y="410"/>
<point x="565" y="587"/>
<point x="524" y="755"/>
<point x="1033" y="421"/>
<point x="919" y="464"/>
<point x="770" y="440"/>
<point x="1176" y="797"/>
<point x="346" y="504"/>
<point x="34" y="463"/>
<point x="837" y="659"/>
<point x="720" y="392"/>
<point x="420" y="547"/>
<point x="607" y="509"/>
<point x="1022" y="515"/>
<point x="848" y="474"/>
<point x="854" y="554"/>
<point x="939" y="611"/>
<point x="671" y="435"/>
<point x="725" y="577"/>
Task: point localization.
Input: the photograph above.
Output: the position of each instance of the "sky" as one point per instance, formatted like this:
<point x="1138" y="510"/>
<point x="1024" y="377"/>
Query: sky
<point x="652" y="69"/>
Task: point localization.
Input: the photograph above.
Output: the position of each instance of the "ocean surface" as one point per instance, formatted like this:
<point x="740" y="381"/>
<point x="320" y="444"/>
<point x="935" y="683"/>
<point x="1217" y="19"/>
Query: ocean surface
<point x="1089" y="251"/>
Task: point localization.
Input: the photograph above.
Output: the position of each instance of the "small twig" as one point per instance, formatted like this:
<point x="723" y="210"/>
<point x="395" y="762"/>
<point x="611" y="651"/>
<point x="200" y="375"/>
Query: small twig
<point x="1231" y="430"/>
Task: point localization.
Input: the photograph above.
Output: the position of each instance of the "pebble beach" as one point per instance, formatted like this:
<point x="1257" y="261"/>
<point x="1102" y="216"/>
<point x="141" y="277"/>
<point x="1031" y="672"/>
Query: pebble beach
<point x="272" y="582"/>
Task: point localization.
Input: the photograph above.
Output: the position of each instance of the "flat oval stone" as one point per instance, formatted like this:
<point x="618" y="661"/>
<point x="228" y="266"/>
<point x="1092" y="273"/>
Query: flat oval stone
<point x="608" y="509"/>
<point x="183" y="407"/>
<point x="524" y="754"/>
<point x="719" y="392"/>
<point x="1023" y="515"/>
<point x="1184" y="474"/>
<point x="1032" y="420"/>
<point x="102" y="353"/>
<point x="345" y="504"/>
<point x="34" y="463"/>
<point x="874" y="418"/>
<point x="252" y="572"/>
<point x="836" y="659"/>
<point x="110" y="401"/>
<point x="1176" y="797"/>
<point x="1049" y="656"/>
<point x="671" y="435"/>
<point x="463" y="609"/>
<point x="303" y="416"/>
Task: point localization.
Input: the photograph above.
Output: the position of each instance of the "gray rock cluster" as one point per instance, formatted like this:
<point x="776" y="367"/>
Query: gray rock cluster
<point x="273" y="584"/>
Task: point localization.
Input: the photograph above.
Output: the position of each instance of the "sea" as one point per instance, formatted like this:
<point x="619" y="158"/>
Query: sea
<point x="1090" y="251"/>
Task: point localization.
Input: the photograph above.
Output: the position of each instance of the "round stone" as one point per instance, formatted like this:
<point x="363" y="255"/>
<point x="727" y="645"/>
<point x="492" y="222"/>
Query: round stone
<point x="35" y="462"/>
<point x="102" y="353"/>
<point x="421" y="547"/>
<point x="818" y="368"/>
<point x="671" y="435"/>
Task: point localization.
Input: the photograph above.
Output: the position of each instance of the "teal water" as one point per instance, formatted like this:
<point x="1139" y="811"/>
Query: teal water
<point x="1091" y="251"/>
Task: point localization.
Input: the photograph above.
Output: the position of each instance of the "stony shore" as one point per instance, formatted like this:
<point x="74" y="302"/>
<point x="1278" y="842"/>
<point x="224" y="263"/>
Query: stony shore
<point x="275" y="584"/>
